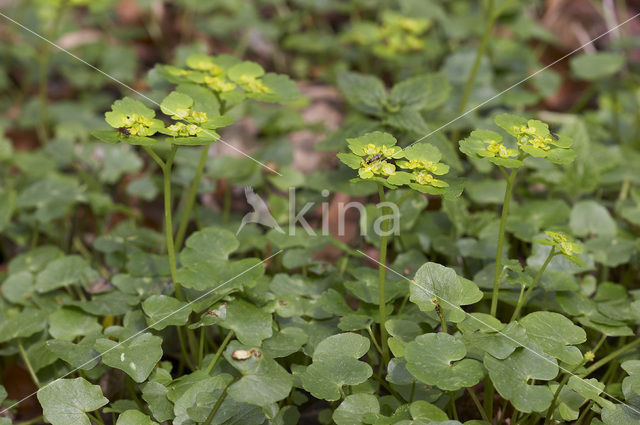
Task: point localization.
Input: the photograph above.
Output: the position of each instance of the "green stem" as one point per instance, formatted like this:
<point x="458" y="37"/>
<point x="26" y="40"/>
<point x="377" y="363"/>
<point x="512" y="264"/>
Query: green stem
<point x="523" y="300"/>
<point x="219" y="352"/>
<point x="168" y="222"/>
<point x="441" y="315"/>
<point x="488" y="396"/>
<point x="27" y="363"/>
<point x="216" y="407"/>
<point x="43" y="83"/>
<point x="33" y="421"/>
<point x="491" y="17"/>
<point x="382" y="272"/>
<point x="503" y="222"/>
<point x="191" y="197"/>
<point x="183" y="349"/>
<point x="201" y="346"/>
<point x="552" y="407"/>
<point x="476" y="401"/>
<point x="373" y="339"/>
<point x="452" y="401"/>
<point x="612" y="356"/>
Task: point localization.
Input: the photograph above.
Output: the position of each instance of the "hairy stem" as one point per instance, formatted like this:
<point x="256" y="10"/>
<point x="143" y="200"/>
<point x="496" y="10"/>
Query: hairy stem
<point x="522" y="301"/>
<point x="382" y="273"/>
<point x="503" y="222"/>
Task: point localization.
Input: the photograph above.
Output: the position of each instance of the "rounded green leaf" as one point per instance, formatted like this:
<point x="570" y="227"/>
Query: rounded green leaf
<point x="512" y="377"/>
<point x="594" y="66"/>
<point x="163" y="311"/>
<point x="66" y="401"/>
<point x="555" y="334"/>
<point x="134" y="417"/>
<point x="438" y="359"/>
<point x="137" y="357"/>
<point x="355" y="408"/>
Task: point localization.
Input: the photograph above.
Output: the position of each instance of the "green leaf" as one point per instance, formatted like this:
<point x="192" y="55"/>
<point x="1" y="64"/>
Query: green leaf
<point x="134" y="417"/>
<point x="510" y="123"/>
<point x="208" y="245"/>
<point x="434" y="282"/>
<point x="421" y="93"/>
<point x="589" y="217"/>
<point x="427" y="412"/>
<point x="245" y="69"/>
<point x="81" y="355"/>
<point x="365" y="92"/>
<point x="66" y="401"/>
<point x="70" y="270"/>
<point x="595" y="66"/>
<point x="163" y="311"/>
<point x="438" y="359"/>
<point x="355" y="408"/>
<point x="555" y="334"/>
<point x="23" y="324"/>
<point x="263" y="380"/>
<point x="512" y="377"/>
<point x="67" y="324"/>
<point x="285" y="342"/>
<point x="251" y="324"/>
<point x="176" y="103"/>
<point x="137" y="356"/>
<point x="335" y="364"/>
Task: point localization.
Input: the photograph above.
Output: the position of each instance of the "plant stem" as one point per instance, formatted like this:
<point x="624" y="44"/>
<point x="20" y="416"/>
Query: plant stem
<point x="191" y="197"/>
<point x="43" y="83"/>
<point x="555" y="398"/>
<point x="612" y="356"/>
<point x="33" y="421"/>
<point x="216" y="407"/>
<point x="373" y="339"/>
<point x="452" y="401"/>
<point x="441" y="315"/>
<point x="168" y="222"/>
<point x="219" y="352"/>
<point x="503" y="222"/>
<point x="382" y="271"/>
<point x="476" y="401"/>
<point x="27" y="363"/>
<point x="491" y="17"/>
<point x="523" y="300"/>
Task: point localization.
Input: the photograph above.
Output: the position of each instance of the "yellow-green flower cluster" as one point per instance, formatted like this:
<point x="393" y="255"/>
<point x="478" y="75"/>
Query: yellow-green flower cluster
<point x="529" y="135"/>
<point x="182" y="129"/>
<point x="375" y="161"/>
<point x="137" y="125"/>
<point x="564" y="244"/>
<point x="402" y="34"/>
<point x="397" y="34"/>
<point x="532" y="138"/>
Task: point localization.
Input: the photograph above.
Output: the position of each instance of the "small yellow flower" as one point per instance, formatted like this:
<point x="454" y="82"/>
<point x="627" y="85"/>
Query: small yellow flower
<point x="218" y="84"/>
<point x="371" y="149"/>
<point x="425" y="178"/>
<point x="253" y="85"/>
<point x="498" y="149"/>
<point x="199" y="117"/>
<point x="589" y="356"/>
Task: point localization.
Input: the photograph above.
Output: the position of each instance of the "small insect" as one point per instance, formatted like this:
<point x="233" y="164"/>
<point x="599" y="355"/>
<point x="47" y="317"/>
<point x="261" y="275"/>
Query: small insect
<point x="124" y="131"/>
<point x="554" y="135"/>
<point x="374" y="158"/>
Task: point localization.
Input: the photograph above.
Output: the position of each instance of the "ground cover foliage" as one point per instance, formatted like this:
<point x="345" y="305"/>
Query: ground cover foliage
<point x="489" y="277"/>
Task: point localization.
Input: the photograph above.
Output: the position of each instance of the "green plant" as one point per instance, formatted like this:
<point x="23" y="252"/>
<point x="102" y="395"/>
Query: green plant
<point x="137" y="287"/>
